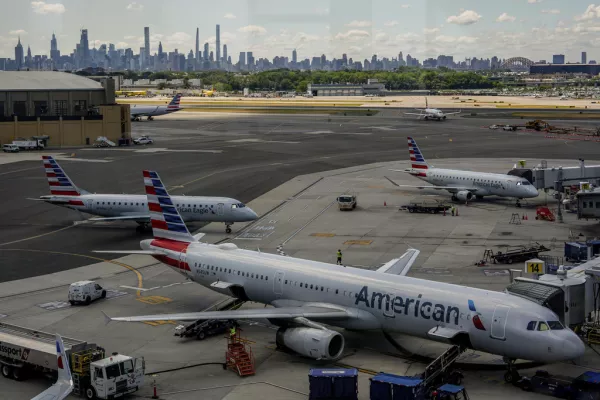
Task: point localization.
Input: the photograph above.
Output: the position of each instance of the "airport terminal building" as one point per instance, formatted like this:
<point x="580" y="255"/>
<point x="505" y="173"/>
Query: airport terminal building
<point x="64" y="108"/>
<point x="371" y="87"/>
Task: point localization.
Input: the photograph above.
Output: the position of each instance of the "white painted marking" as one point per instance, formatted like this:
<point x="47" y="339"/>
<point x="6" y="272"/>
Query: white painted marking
<point x="172" y="284"/>
<point x="159" y="149"/>
<point x="317" y="132"/>
<point x="3" y="315"/>
<point x="140" y="289"/>
<point x="260" y="141"/>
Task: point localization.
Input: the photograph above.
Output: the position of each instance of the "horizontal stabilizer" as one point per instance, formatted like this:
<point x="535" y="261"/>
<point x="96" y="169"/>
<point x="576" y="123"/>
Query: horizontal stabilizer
<point x="400" y="266"/>
<point x="141" y="217"/>
<point x="275" y="313"/>
<point x="199" y="236"/>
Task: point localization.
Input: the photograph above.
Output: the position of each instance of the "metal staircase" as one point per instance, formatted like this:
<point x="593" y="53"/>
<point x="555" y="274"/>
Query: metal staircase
<point x="239" y="357"/>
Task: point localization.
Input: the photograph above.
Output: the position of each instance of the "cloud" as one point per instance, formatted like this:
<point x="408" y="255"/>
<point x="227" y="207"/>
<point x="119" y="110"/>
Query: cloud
<point x="467" y="17"/>
<point x="129" y="37"/>
<point x="404" y="5"/>
<point x="391" y="23"/>
<point x="456" y="39"/>
<point x="253" y="30"/>
<point x="407" y="37"/>
<point x="504" y="17"/>
<point x="591" y="12"/>
<point x="41" y="7"/>
<point x="229" y="16"/>
<point x="177" y="39"/>
<point x="429" y="31"/>
<point x="121" y="45"/>
<point x="551" y="11"/>
<point x="135" y="6"/>
<point x="322" y="11"/>
<point x="359" y="24"/>
<point x="18" y="32"/>
<point x="534" y="1"/>
<point x="226" y="37"/>
<point x="353" y="34"/>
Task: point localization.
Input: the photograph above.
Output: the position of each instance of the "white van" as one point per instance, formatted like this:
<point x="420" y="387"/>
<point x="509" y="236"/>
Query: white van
<point x="10" y="148"/>
<point x="85" y="292"/>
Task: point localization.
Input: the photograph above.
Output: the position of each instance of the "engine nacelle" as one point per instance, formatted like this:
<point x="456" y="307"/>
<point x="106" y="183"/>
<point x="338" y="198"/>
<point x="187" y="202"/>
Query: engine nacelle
<point x="319" y="344"/>
<point x="464" y="195"/>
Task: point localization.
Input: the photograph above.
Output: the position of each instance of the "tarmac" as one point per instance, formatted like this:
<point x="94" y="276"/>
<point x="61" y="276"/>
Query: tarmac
<point x="289" y="169"/>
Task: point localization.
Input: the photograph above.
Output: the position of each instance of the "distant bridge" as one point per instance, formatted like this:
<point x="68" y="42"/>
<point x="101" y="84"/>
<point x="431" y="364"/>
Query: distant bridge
<point x="517" y="64"/>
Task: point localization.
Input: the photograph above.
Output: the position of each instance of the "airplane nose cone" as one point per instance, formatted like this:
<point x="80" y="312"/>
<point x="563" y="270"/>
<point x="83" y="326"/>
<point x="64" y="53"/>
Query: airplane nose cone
<point x="252" y="215"/>
<point x="573" y="347"/>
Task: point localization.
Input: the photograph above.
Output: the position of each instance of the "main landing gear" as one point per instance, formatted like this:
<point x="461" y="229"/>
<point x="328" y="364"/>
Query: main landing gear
<point x="518" y="203"/>
<point x="228" y="227"/>
<point x="150" y="118"/>
<point x="512" y="375"/>
<point x="142" y="227"/>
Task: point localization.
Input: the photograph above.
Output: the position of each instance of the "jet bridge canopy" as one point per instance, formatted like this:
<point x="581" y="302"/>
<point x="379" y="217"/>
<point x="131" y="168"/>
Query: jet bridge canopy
<point x="549" y="296"/>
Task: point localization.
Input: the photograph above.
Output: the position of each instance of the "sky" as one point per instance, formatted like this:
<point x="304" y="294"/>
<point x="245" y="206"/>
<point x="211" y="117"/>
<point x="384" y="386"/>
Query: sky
<point x="535" y="29"/>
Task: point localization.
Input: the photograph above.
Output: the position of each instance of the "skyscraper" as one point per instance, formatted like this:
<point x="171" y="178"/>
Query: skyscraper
<point x="224" y="53"/>
<point x="294" y="56"/>
<point x="205" y="51"/>
<point x="28" y="59"/>
<point x="146" y="45"/>
<point x="218" y="43"/>
<point x="54" y="52"/>
<point x="583" y="57"/>
<point x="558" y="59"/>
<point x="242" y="59"/>
<point x="84" y="46"/>
<point x="19" y="54"/>
<point x="197" y="55"/>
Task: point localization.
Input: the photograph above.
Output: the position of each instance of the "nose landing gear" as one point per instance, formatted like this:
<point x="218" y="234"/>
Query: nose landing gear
<point x="512" y="375"/>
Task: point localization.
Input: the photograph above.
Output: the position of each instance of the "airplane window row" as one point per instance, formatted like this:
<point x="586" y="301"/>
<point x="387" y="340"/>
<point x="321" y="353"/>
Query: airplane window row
<point x="466" y="179"/>
<point x="545" y="326"/>
<point x="317" y="288"/>
<point x="115" y="203"/>
<point x="193" y="206"/>
<point x="232" y="272"/>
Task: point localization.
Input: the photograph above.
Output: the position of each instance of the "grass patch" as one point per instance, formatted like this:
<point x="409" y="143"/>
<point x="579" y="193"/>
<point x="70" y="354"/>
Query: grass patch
<point x="542" y="107"/>
<point x="278" y="111"/>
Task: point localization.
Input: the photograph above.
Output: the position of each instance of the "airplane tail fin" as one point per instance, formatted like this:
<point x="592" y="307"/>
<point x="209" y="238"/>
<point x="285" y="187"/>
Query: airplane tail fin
<point x="64" y="372"/>
<point x="416" y="158"/>
<point x="165" y="219"/>
<point x="174" y="104"/>
<point x="60" y="183"/>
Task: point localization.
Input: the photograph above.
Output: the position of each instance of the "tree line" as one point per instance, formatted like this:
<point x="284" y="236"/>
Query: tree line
<point x="405" y="78"/>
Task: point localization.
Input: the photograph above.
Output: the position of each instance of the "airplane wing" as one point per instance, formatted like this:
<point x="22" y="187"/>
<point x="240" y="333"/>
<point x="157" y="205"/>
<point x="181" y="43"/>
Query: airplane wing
<point x="453" y="113"/>
<point x="414" y="113"/>
<point x="143" y="252"/>
<point x="142" y="217"/>
<point x="310" y="312"/>
<point x="64" y="384"/>
<point x="400" y="266"/>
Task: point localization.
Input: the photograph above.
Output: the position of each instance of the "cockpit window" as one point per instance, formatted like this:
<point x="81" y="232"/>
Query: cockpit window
<point x="531" y="325"/>
<point x="241" y="205"/>
<point x="543" y="326"/>
<point x="525" y="183"/>
<point x="234" y="206"/>
<point x="555" y="325"/>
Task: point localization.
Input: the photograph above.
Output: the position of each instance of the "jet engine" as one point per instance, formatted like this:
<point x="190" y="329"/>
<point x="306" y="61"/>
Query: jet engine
<point x="320" y="344"/>
<point x="464" y="195"/>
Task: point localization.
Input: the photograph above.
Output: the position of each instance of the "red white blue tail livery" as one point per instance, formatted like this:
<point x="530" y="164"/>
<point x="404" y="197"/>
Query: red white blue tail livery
<point x="416" y="157"/>
<point x="64" y="384"/>
<point x="174" y="104"/>
<point x="166" y="221"/>
<point x="60" y="183"/>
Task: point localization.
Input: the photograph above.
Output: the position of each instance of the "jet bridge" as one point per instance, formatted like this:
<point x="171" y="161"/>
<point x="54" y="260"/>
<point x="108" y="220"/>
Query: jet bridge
<point x="545" y="177"/>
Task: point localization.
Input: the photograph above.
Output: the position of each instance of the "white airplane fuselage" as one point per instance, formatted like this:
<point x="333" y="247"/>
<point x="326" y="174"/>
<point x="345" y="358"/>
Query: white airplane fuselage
<point x="376" y="300"/>
<point x="150" y="111"/>
<point x="487" y="184"/>
<point x="191" y="208"/>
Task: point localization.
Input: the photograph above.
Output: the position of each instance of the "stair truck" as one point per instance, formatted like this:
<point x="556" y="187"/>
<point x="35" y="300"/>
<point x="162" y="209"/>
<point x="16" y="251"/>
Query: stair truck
<point x="24" y="352"/>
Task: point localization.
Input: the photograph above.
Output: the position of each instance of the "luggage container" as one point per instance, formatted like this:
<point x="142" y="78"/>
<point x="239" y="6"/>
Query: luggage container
<point x="338" y="383"/>
<point x="392" y="387"/>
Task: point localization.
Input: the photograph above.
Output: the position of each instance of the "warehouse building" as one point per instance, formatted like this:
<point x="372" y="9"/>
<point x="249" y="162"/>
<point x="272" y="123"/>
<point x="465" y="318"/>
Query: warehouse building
<point x="588" y="69"/>
<point x="68" y="109"/>
<point x="372" y="87"/>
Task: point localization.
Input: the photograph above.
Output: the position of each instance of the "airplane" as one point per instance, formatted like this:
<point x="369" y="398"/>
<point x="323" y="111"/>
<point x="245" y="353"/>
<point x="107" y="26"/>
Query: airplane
<point x="139" y="111"/>
<point x="64" y="384"/>
<point x="464" y="184"/>
<point x="129" y="207"/>
<point x="432" y="113"/>
<point x="309" y="297"/>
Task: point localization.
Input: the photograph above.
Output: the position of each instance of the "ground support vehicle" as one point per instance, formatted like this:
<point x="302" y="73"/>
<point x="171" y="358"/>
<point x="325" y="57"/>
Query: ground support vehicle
<point x="427" y="207"/>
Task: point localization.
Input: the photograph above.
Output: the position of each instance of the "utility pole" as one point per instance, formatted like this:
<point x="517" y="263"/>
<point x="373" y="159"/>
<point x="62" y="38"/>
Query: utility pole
<point x="558" y="185"/>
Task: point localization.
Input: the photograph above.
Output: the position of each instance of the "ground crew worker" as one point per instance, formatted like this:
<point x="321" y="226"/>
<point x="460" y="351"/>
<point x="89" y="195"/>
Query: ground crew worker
<point x="339" y="257"/>
<point x="232" y="331"/>
<point x="452" y="210"/>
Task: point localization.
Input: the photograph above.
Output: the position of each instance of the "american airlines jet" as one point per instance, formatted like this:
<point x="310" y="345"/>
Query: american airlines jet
<point x="432" y="113"/>
<point x="131" y="207"/>
<point x="64" y="384"/>
<point x="139" y="111"/>
<point x="464" y="184"/>
<point x="308" y="297"/>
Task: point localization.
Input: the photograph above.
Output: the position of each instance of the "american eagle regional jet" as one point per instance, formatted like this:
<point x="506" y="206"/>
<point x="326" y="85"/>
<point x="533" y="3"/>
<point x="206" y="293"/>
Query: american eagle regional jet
<point x="432" y="113"/>
<point x="138" y="111"/>
<point x="309" y="296"/>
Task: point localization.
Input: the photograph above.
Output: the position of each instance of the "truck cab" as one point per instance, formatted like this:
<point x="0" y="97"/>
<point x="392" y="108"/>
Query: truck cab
<point x="115" y="376"/>
<point x="85" y="292"/>
<point x="347" y="202"/>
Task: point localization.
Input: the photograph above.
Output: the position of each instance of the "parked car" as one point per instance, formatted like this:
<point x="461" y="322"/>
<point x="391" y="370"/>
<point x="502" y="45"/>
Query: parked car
<point x="143" y="140"/>
<point x="494" y="127"/>
<point x="85" y="292"/>
<point x="10" y="148"/>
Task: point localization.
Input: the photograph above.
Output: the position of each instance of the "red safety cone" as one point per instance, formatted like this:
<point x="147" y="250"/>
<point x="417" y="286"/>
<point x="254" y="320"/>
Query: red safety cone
<point x="523" y="217"/>
<point x="526" y="217"/>
<point x="444" y="211"/>
<point x="385" y="203"/>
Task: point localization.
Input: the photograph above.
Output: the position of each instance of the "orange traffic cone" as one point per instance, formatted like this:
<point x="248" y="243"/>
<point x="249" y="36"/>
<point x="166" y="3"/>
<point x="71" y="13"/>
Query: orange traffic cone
<point x="526" y="217"/>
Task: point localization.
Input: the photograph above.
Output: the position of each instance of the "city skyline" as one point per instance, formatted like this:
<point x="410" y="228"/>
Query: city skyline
<point x="531" y="28"/>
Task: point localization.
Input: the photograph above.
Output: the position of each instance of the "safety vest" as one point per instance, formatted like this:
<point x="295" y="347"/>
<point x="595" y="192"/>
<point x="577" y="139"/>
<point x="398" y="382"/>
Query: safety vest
<point x="232" y="331"/>
<point x="339" y="254"/>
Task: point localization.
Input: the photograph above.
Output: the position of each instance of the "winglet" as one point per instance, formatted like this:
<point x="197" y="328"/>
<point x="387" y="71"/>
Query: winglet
<point x="107" y="319"/>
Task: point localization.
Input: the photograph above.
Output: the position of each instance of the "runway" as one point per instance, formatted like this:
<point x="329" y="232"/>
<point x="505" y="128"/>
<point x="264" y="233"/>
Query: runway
<point x="241" y="156"/>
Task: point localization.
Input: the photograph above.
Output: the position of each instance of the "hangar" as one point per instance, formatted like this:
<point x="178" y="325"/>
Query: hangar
<point x="68" y="109"/>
